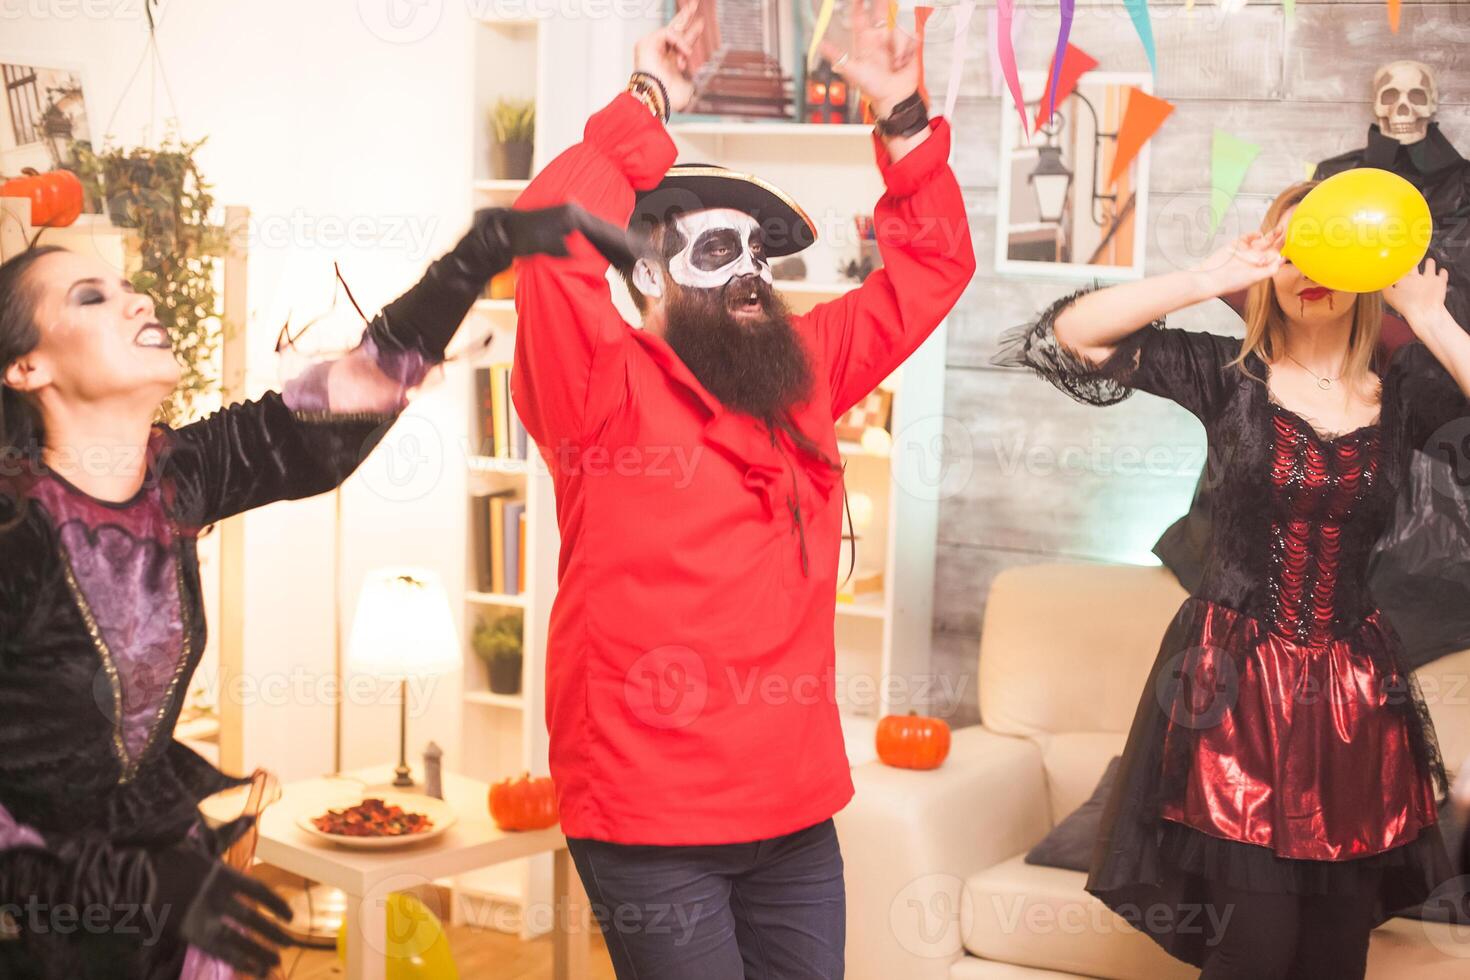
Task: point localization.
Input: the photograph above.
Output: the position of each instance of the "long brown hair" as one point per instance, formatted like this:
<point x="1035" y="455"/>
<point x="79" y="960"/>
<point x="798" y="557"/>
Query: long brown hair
<point x="20" y="425"/>
<point x="1266" y="321"/>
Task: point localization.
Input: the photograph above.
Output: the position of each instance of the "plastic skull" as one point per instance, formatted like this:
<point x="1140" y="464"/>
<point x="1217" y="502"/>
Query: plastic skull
<point x="1405" y="99"/>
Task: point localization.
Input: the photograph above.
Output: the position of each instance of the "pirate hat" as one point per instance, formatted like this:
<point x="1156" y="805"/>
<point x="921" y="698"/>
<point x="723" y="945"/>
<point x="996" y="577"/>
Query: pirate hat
<point x="698" y="186"/>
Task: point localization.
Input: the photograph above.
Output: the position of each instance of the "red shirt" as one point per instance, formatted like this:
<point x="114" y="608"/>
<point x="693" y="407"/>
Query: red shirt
<point x="690" y="663"/>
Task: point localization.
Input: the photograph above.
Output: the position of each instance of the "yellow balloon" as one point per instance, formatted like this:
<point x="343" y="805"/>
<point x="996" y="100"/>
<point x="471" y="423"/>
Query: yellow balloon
<point x="417" y="946"/>
<point x="1359" y="231"/>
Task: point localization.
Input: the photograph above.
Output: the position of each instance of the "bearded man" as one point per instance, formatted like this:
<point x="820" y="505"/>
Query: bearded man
<point x="694" y="734"/>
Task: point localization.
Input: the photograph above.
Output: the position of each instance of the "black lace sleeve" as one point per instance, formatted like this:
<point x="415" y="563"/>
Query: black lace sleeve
<point x="1435" y="412"/>
<point x="1185" y="366"/>
<point x="257" y="452"/>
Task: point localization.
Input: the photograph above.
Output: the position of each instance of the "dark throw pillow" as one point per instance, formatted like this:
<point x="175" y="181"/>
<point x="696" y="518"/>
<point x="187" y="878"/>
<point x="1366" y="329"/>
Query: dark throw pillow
<point x="1070" y="843"/>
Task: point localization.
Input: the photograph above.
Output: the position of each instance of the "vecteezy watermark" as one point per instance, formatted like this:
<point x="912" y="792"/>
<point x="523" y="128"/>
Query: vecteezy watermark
<point x="400" y="21"/>
<point x="933" y="457"/>
<point x="1448" y="462"/>
<point x="408" y="464"/>
<point x="670" y="686"/>
<point x="39" y="918"/>
<point x="1445" y="917"/>
<point x="72" y="10"/>
<point x="1198" y="686"/>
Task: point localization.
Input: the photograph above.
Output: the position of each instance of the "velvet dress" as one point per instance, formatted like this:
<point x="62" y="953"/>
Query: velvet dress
<point x="102" y="626"/>
<point x="1279" y="744"/>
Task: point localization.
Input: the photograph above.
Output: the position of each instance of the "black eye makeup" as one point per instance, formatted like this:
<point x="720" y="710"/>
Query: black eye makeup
<point x="715" y="248"/>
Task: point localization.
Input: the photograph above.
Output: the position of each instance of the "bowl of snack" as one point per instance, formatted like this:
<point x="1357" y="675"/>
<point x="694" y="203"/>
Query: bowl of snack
<point x="381" y="820"/>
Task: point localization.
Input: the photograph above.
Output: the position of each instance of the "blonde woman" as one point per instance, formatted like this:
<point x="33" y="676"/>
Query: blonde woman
<point x="1278" y="790"/>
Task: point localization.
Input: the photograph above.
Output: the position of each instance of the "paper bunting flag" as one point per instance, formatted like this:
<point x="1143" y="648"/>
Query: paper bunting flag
<point x="819" y="31"/>
<point x="1138" y="10"/>
<point x="1141" y="119"/>
<point x="1075" y="64"/>
<point x="1290" y="7"/>
<point x="1006" y="52"/>
<point x="1018" y="24"/>
<point x="1068" y="8"/>
<point x="921" y="17"/>
<point x="962" y="15"/>
<point x="1230" y="158"/>
<point x="1393" y="15"/>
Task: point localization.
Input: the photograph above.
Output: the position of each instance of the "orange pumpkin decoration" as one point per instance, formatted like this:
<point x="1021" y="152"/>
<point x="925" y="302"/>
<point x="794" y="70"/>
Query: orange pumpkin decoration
<point x="523" y="803"/>
<point x="912" y="741"/>
<point x="56" y="197"/>
<point x="503" y="285"/>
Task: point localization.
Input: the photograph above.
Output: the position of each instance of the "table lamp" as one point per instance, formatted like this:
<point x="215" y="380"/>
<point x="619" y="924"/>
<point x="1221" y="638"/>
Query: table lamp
<point x="403" y="631"/>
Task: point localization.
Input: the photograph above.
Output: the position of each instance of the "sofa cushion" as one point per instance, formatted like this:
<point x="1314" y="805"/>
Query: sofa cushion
<point x="1038" y="917"/>
<point x="1070" y="843"/>
<point x="1074" y="761"/>
<point x="1067" y="648"/>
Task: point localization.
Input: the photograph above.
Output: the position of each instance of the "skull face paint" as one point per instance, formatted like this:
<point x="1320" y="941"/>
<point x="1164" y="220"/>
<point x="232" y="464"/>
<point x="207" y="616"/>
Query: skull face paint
<point x="719" y="244"/>
<point x="1405" y="99"/>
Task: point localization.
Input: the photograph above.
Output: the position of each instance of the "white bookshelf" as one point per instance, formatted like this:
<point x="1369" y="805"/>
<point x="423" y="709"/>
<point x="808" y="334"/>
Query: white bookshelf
<point x="504" y="735"/>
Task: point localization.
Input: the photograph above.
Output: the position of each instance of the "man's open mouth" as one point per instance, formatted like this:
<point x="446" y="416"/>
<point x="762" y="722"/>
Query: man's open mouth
<point x="745" y="300"/>
<point x="154" y="336"/>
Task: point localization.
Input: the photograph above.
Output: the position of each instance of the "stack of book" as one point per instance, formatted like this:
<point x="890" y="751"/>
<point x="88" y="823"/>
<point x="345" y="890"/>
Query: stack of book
<point x="500" y="543"/>
<point x="500" y="431"/>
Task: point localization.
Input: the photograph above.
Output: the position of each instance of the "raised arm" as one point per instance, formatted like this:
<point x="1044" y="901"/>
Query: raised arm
<point x="570" y="340"/>
<point x="1436" y="389"/>
<point x="308" y="438"/>
<point x="922" y="229"/>
<point x="1097" y="323"/>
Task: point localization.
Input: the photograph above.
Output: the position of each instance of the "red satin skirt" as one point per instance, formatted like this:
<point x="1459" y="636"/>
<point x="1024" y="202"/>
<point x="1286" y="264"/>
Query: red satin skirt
<point x="1293" y="748"/>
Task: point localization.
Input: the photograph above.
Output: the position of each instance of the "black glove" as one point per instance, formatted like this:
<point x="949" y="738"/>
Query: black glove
<point x="212" y="906"/>
<point x="426" y="317"/>
<point x="545" y="231"/>
<point x="194" y="897"/>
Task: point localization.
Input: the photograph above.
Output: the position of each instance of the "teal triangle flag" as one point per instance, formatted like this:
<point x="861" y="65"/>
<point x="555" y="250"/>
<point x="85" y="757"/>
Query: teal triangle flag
<point x="1138" y="10"/>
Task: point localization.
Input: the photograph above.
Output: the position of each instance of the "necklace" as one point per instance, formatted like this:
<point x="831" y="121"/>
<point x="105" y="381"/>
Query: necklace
<point x="1324" y="383"/>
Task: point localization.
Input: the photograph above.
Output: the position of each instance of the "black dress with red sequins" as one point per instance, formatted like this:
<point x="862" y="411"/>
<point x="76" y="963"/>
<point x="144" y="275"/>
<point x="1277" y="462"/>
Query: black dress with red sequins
<point x="1279" y="744"/>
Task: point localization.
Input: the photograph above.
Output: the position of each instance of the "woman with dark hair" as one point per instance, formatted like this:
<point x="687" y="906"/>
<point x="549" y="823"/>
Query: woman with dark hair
<point x="106" y="868"/>
<point x="1278" y="790"/>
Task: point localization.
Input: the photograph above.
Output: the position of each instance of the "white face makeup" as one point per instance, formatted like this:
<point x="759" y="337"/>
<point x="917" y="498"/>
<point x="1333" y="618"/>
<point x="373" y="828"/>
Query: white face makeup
<point x="720" y="244"/>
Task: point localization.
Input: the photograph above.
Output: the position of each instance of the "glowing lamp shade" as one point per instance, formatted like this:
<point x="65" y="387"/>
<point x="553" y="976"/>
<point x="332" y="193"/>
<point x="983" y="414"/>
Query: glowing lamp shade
<point x="403" y="629"/>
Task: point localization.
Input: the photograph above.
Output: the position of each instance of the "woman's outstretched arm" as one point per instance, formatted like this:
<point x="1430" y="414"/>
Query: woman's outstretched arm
<point x="1098" y="321"/>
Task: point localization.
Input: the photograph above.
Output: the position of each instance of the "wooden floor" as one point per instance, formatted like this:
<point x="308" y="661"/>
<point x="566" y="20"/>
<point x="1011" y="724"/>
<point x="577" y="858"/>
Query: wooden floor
<point x="480" y="954"/>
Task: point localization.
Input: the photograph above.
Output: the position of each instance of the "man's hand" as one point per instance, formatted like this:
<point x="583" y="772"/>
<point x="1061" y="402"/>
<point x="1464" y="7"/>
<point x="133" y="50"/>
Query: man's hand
<point x="883" y="62"/>
<point x="668" y="52"/>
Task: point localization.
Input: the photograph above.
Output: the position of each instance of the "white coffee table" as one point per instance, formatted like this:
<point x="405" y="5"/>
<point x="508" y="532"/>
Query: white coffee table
<point x="369" y="877"/>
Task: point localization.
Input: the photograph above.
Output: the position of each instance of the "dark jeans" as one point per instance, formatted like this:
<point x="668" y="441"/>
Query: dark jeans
<point x="767" y="910"/>
<point x="1303" y="937"/>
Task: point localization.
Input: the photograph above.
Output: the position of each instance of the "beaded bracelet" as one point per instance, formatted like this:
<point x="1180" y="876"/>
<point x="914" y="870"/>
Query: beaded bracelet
<point x="650" y="89"/>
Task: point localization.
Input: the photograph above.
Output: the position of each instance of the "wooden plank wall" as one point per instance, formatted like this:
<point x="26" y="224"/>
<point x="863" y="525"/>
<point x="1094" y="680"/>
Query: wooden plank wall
<point x="1052" y="480"/>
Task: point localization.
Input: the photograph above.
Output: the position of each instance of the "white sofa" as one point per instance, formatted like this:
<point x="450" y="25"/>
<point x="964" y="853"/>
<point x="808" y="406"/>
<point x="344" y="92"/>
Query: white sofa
<point x="936" y="882"/>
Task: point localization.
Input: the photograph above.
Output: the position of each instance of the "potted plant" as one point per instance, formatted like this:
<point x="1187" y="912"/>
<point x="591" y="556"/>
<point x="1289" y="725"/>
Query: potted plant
<point x="514" y="123"/>
<point x="498" y="643"/>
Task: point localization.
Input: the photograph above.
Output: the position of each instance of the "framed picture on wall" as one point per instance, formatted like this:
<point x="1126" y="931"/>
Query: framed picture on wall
<point x="1056" y="213"/>
<point x="751" y="62"/>
<point x="43" y="113"/>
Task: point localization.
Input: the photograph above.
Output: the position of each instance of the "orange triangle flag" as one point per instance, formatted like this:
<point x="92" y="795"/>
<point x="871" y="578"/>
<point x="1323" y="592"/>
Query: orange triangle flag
<point x="1393" y="15"/>
<point x="921" y="17"/>
<point x="1075" y="64"/>
<point x="1143" y="117"/>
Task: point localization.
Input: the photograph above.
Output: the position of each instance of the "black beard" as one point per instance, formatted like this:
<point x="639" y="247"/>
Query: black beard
<point x="758" y="366"/>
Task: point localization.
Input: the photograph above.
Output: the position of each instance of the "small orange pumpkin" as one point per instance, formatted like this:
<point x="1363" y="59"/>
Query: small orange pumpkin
<point x="56" y="197"/>
<point x="912" y="741"/>
<point x="503" y="284"/>
<point x="523" y="803"/>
